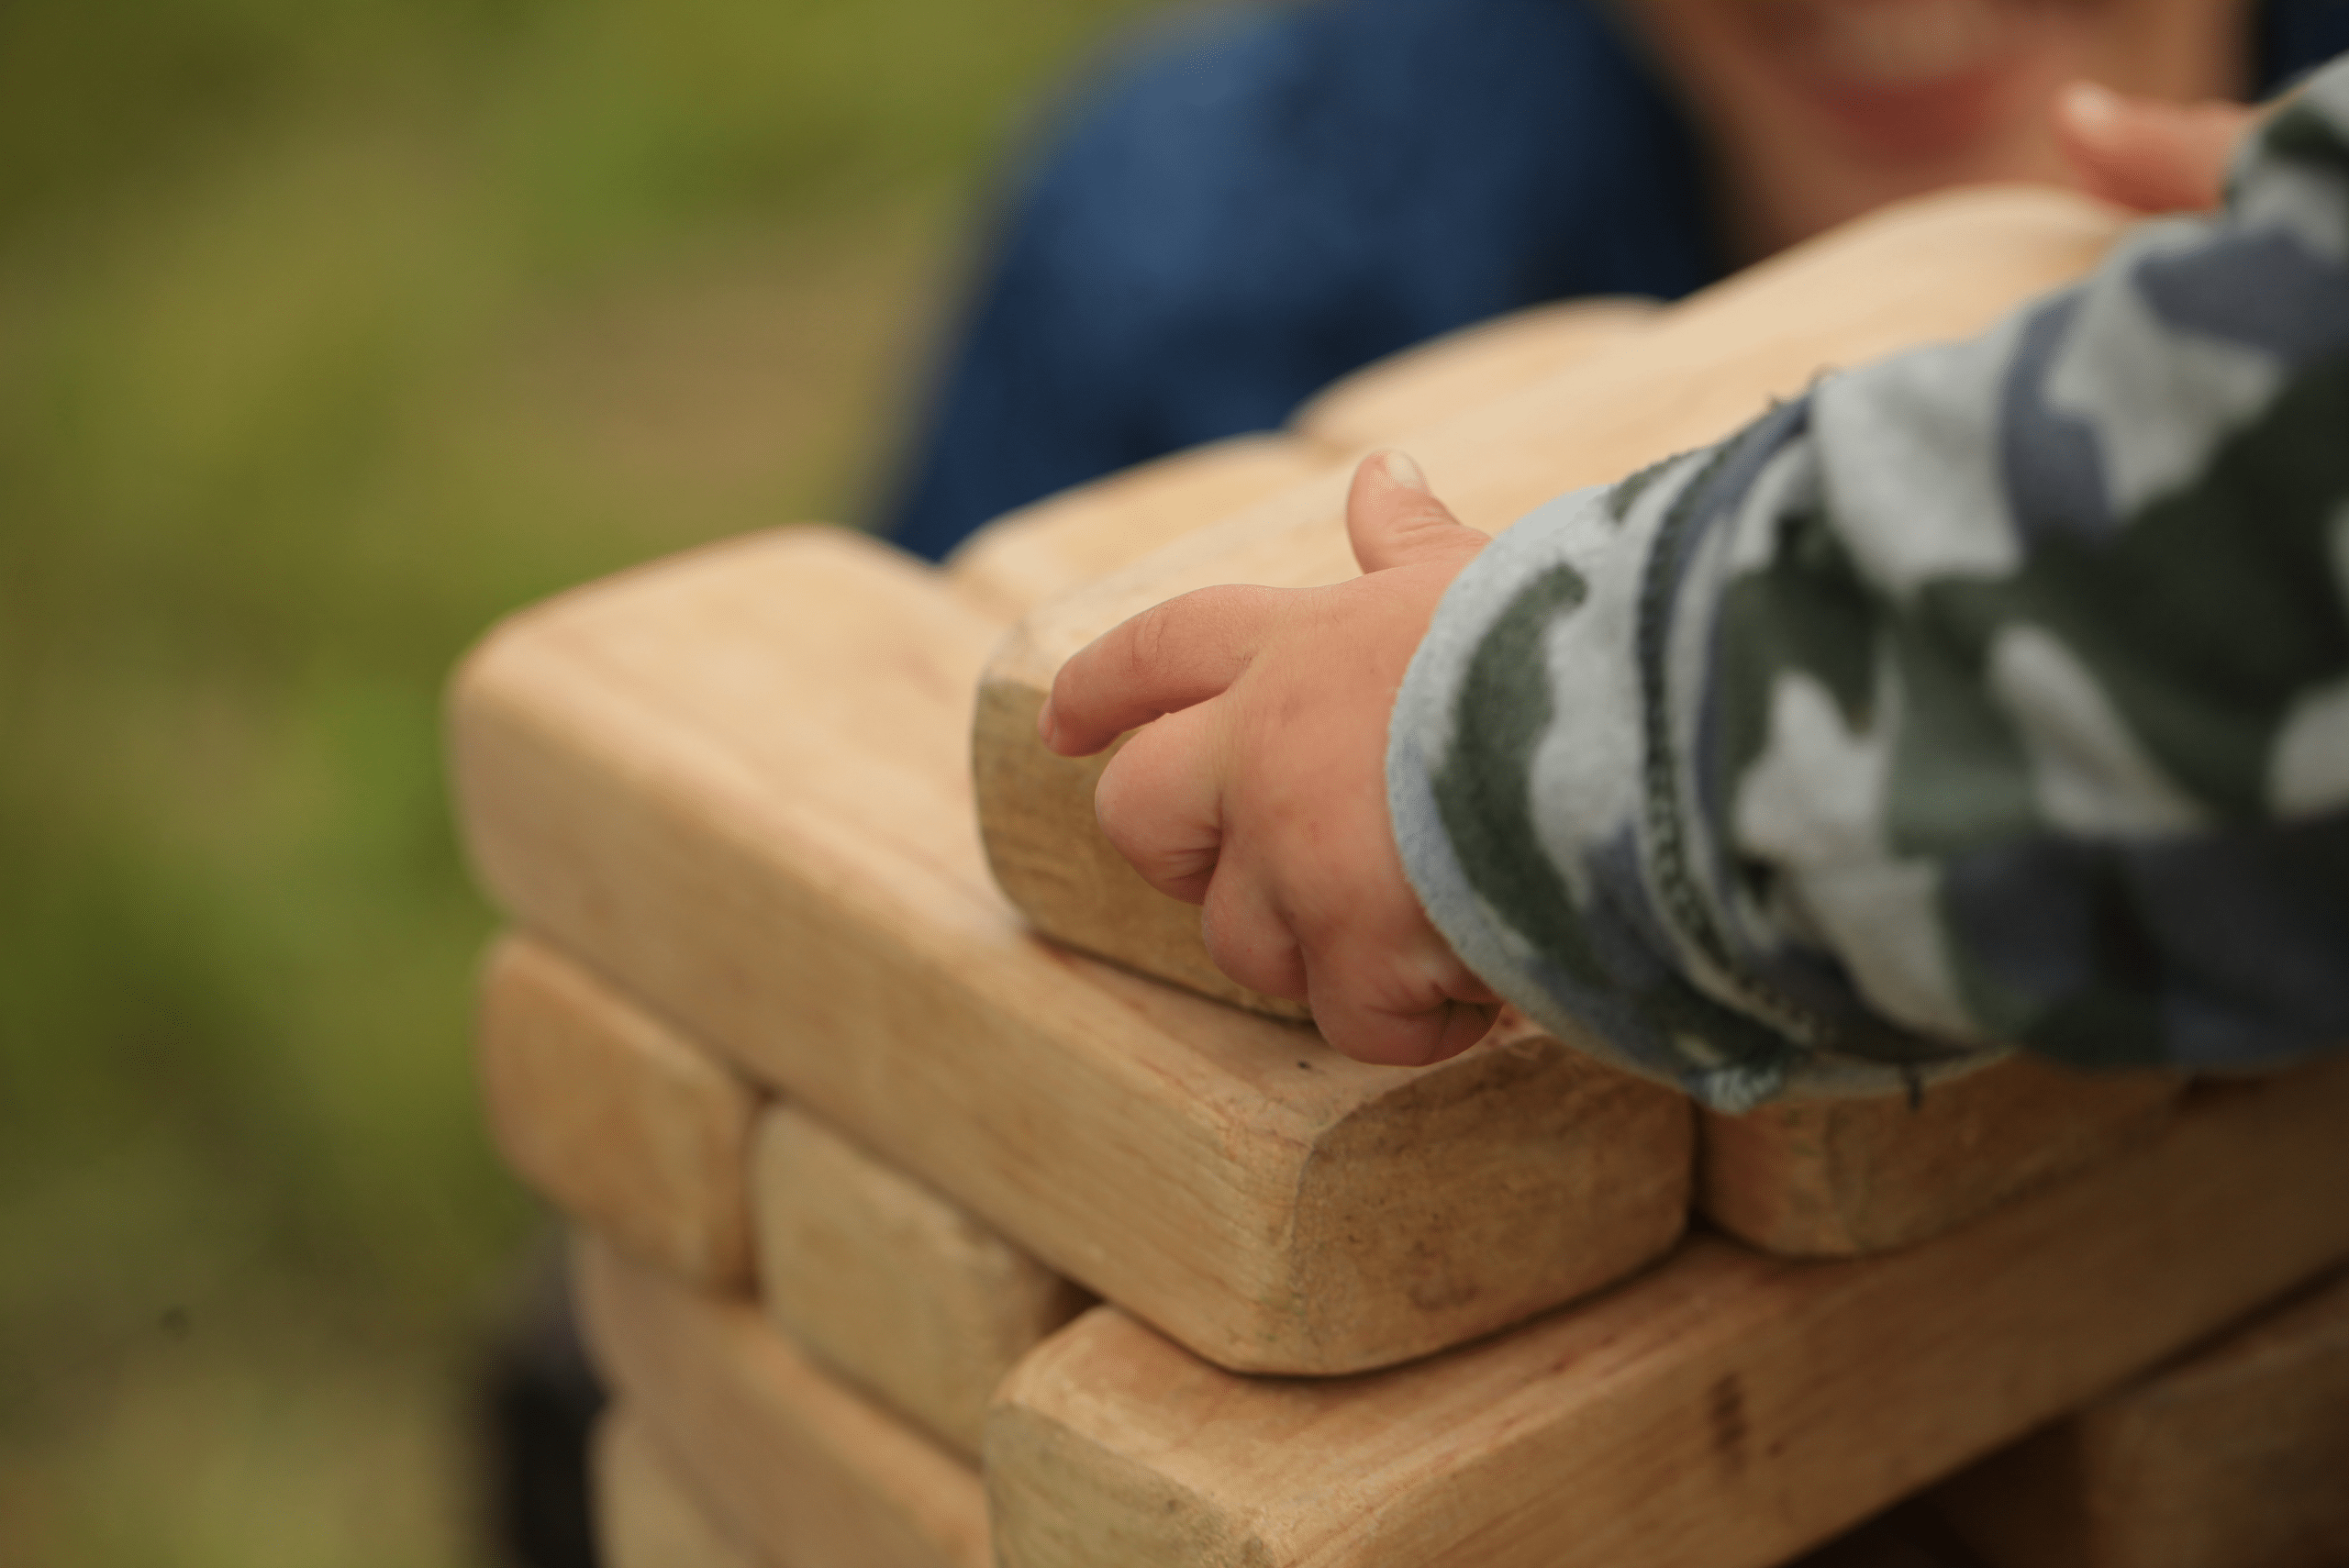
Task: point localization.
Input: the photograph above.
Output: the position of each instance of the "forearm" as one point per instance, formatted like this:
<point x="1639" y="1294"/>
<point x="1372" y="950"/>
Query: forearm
<point x="1993" y="693"/>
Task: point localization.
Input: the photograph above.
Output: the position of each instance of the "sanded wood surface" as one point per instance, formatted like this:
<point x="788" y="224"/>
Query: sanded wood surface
<point x="788" y="1460"/>
<point x="904" y="1292"/>
<point x="1835" y="1178"/>
<point x="614" y="1117"/>
<point x="1727" y="1410"/>
<point x="1941" y="268"/>
<point x="1406" y="392"/>
<point x="1082" y="534"/>
<point x="736" y="783"/>
<point x="644" y="1515"/>
<point x="2235" y="1456"/>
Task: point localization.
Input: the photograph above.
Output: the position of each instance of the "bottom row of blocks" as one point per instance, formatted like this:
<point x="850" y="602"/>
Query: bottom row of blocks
<point x="866" y="1449"/>
<point x="727" y="1449"/>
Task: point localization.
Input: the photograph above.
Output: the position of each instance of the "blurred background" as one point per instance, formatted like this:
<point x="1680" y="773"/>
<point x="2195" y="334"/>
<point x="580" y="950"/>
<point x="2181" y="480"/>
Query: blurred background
<point x="328" y="332"/>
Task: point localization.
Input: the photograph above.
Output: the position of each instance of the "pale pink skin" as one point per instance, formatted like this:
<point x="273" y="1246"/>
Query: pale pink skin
<point x="1258" y="786"/>
<point x="1817" y="111"/>
<point x="1261" y="792"/>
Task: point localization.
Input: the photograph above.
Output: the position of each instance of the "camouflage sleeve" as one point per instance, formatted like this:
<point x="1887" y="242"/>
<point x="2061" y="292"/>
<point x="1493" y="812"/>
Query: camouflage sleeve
<point x="1994" y="694"/>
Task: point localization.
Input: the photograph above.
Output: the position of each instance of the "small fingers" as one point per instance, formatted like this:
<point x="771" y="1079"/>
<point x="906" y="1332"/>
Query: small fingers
<point x="1159" y="803"/>
<point x="1164" y="660"/>
<point x="1398" y="998"/>
<point x="1394" y="1038"/>
<point x="1394" y="520"/>
<point x="2143" y="154"/>
<point x="1249" y="939"/>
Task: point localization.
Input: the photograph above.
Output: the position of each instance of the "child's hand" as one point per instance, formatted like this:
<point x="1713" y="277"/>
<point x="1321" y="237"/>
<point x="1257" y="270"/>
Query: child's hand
<point x="1262" y="792"/>
<point x="2143" y="154"/>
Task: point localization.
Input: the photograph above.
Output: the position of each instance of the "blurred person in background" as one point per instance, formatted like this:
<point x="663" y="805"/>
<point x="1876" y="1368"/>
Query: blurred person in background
<point x="1256" y="200"/>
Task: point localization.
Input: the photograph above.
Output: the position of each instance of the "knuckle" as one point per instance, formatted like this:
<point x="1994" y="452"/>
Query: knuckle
<point x="1114" y="810"/>
<point x="1249" y="946"/>
<point x="1146" y="642"/>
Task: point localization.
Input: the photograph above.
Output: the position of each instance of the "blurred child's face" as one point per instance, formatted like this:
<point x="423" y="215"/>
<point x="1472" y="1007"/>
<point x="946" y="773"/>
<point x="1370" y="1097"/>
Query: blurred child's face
<point x="1820" y="109"/>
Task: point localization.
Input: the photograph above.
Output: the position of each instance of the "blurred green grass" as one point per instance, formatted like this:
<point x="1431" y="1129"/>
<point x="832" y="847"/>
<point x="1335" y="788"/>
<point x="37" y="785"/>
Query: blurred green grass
<point x="330" y="333"/>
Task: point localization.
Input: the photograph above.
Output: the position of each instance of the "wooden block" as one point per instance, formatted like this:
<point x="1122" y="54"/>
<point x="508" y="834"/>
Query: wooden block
<point x="1943" y="267"/>
<point x="1406" y="392"/>
<point x="2236" y="1456"/>
<point x="736" y="783"/>
<point x="790" y="1462"/>
<point x="645" y="1517"/>
<point x="1834" y="1178"/>
<point x="908" y="1294"/>
<point x="1727" y="1410"/>
<point x="1082" y="534"/>
<point x="615" y="1117"/>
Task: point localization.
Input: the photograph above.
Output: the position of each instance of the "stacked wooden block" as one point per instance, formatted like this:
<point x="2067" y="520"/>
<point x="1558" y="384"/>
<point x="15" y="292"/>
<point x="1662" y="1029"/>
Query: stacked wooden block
<point x="911" y="1237"/>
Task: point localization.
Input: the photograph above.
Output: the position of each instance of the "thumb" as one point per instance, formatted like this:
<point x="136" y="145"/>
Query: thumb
<point x="2143" y="154"/>
<point x="1394" y="520"/>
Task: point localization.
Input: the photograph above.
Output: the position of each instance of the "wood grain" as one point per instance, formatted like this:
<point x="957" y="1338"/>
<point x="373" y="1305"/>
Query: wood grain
<point x="736" y="783"/>
<point x="1836" y="1178"/>
<point x="1944" y="267"/>
<point x="1084" y="533"/>
<point x="2234" y="1456"/>
<point x="614" y="1117"/>
<point x="645" y="1517"/>
<point x="904" y="1292"/>
<point x="789" y="1461"/>
<point x="1727" y="1410"/>
<point x="1404" y="393"/>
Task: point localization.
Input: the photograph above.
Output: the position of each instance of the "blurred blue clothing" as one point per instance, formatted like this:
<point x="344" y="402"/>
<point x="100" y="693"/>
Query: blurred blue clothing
<point x="1255" y="201"/>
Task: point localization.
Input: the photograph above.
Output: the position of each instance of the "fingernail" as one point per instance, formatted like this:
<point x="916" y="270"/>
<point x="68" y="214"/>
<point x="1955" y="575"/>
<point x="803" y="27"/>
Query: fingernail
<point x="2093" y="110"/>
<point x="1405" y="472"/>
<point x="1044" y="722"/>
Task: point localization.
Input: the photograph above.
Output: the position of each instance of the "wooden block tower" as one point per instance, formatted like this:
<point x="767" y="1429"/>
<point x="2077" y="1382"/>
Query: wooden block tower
<point x="938" y="1204"/>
